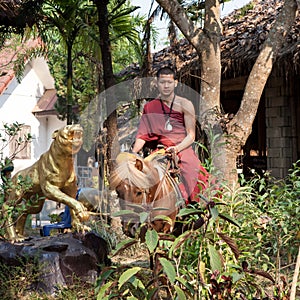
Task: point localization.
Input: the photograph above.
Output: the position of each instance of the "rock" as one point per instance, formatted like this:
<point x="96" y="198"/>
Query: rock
<point x="59" y="259"/>
<point x="96" y="243"/>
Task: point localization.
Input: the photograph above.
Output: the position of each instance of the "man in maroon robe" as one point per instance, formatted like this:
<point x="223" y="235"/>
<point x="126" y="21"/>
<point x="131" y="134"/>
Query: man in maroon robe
<point x="169" y="120"/>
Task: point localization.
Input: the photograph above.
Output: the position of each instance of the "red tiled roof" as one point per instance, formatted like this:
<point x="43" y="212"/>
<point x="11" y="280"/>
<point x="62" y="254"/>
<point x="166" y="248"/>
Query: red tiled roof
<point x="8" y="55"/>
<point x="5" y="79"/>
<point x="45" y="105"/>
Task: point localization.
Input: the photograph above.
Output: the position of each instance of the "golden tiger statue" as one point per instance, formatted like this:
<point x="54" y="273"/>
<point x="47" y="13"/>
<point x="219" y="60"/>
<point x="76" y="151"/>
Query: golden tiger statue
<point x="52" y="177"/>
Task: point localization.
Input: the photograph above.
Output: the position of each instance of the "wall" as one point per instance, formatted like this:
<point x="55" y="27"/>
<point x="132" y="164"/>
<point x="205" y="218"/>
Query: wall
<point x="16" y="105"/>
<point x="279" y="122"/>
<point x="48" y="124"/>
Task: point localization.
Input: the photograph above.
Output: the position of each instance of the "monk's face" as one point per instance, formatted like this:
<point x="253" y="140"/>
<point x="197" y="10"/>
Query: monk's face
<point x="166" y="85"/>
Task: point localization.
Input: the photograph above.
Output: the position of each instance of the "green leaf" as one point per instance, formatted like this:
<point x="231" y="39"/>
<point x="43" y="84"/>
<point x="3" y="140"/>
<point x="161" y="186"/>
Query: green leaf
<point x="103" y="290"/>
<point x="229" y="219"/>
<point x="163" y="218"/>
<point x="215" y="260"/>
<point x="214" y="212"/>
<point x="237" y="276"/>
<point x="138" y="284"/>
<point x="105" y="274"/>
<point x="180" y="293"/>
<point x="186" y="284"/>
<point x="168" y="268"/>
<point x="151" y="239"/>
<point x="127" y="275"/>
<point x="188" y="211"/>
<point x="143" y="217"/>
<point x="123" y="245"/>
<point x="137" y="208"/>
<point x="179" y="241"/>
<point x="160" y="208"/>
<point x="124" y="212"/>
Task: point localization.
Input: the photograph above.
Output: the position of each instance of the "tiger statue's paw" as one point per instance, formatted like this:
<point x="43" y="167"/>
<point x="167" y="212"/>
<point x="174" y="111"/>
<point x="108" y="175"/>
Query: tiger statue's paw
<point x="81" y="211"/>
<point x="81" y="228"/>
<point x="16" y="239"/>
<point x="83" y="216"/>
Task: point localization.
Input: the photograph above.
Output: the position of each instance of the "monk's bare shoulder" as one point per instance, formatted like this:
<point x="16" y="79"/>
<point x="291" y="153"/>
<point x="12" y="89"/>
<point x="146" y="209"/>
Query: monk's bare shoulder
<point x="186" y="105"/>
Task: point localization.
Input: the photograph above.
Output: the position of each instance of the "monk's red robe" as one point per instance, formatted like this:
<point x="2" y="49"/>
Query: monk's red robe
<point x="152" y="128"/>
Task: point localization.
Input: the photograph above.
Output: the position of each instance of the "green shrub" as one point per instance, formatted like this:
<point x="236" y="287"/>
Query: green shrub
<point x="241" y="244"/>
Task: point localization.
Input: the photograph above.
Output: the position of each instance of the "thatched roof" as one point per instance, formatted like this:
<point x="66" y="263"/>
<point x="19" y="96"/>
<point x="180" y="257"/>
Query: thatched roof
<point x="244" y="36"/>
<point x="244" y="32"/>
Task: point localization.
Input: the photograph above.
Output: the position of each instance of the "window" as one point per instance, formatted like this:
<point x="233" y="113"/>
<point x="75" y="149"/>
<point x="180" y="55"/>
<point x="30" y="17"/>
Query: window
<point x="20" y="146"/>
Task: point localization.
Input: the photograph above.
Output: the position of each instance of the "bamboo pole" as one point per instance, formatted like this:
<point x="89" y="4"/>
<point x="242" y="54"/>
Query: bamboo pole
<point x="295" y="277"/>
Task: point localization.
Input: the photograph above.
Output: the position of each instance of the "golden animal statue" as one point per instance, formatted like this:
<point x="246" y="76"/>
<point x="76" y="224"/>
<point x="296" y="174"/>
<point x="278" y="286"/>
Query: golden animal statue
<point x="52" y="177"/>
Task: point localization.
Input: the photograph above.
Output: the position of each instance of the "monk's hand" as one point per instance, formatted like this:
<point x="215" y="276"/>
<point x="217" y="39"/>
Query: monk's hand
<point x="172" y="150"/>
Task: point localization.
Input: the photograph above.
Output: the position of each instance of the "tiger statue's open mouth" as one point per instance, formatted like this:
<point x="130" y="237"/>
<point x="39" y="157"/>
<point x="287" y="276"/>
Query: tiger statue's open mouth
<point x="70" y="137"/>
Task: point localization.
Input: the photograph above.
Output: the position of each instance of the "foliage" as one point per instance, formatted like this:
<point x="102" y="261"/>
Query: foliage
<point x="8" y="136"/>
<point x="55" y="218"/>
<point x="69" y="31"/>
<point x="16" y="280"/>
<point x="27" y="55"/>
<point x="20" y="282"/>
<point x="244" y="10"/>
<point x="236" y="244"/>
<point x="127" y="51"/>
<point x="11" y="135"/>
<point x="201" y="261"/>
<point x="16" y="16"/>
<point x="275" y="241"/>
<point x="23" y="51"/>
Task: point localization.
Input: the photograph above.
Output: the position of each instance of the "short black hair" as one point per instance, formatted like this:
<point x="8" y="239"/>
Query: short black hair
<point x="166" y="71"/>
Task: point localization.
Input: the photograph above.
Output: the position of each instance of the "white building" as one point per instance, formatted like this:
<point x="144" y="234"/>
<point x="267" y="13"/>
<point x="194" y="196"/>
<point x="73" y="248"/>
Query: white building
<point x="29" y="102"/>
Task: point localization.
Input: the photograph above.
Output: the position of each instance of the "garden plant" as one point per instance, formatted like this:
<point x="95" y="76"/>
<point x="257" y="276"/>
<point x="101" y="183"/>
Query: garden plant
<point x="237" y="244"/>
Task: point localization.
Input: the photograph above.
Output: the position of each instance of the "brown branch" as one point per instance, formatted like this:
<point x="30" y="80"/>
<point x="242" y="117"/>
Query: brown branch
<point x="178" y="15"/>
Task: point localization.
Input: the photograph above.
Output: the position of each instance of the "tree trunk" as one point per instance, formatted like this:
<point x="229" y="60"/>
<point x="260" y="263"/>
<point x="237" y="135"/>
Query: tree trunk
<point x="227" y="140"/>
<point x="109" y="81"/>
<point x="172" y="34"/>
<point x="146" y="48"/>
<point x="69" y="84"/>
<point x="211" y="83"/>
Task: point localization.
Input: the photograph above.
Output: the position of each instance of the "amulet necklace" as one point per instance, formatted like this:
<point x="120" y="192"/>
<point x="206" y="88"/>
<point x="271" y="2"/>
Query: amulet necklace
<point x="168" y="125"/>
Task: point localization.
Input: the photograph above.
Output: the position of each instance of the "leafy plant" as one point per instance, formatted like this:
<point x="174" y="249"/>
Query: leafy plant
<point x="10" y="134"/>
<point x="202" y="262"/>
<point x="273" y="225"/>
<point x="54" y="218"/>
<point x="236" y="244"/>
<point x="7" y="136"/>
<point x="17" y="280"/>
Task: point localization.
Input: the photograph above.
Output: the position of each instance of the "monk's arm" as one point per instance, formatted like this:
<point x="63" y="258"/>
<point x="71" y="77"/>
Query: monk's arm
<point x="138" y="145"/>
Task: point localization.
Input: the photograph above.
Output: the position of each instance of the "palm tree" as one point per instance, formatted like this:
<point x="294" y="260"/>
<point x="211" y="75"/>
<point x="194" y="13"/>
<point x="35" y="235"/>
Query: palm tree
<point x="65" y="21"/>
<point x="117" y="23"/>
